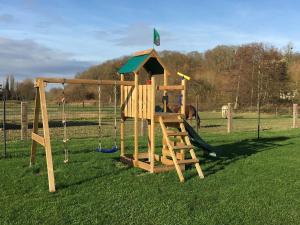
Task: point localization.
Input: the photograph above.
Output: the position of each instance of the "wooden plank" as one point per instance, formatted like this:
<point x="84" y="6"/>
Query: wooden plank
<point x="144" y="87"/>
<point x="35" y="126"/>
<point x="170" y="88"/>
<point x="174" y="133"/>
<point x="136" y="115"/>
<point x="149" y="102"/>
<point x="152" y="112"/>
<point x="183" y="147"/>
<point x="84" y="81"/>
<point x="49" y="161"/>
<point x="295" y="115"/>
<point x="129" y="97"/>
<point x="143" y="165"/>
<point x="183" y="98"/>
<point x="144" y="52"/>
<point x="188" y="161"/>
<point x="122" y="124"/>
<point x="168" y="120"/>
<point x="229" y="118"/>
<point x="165" y="91"/>
<point x="38" y="139"/>
<point x="140" y="104"/>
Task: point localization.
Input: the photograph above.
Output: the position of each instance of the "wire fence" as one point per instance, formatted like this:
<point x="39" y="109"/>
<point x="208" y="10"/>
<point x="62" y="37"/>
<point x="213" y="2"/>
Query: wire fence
<point x="16" y="122"/>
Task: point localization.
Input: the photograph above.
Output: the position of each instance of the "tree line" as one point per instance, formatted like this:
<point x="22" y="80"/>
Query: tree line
<point x="241" y="75"/>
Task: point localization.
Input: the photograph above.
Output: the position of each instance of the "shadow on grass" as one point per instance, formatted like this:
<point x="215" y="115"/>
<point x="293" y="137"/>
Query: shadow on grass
<point x="211" y="126"/>
<point x="105" y="173"/>
<point x="232" y="152"/>
<point x="57" y="124"/>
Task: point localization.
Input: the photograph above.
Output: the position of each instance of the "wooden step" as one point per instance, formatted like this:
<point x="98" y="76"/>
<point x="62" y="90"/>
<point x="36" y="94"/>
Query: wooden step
<point x="174" y="133"/>
<point x="183" y="147"/>
<point x="172" y="120"/>
<point x="166" y="114"/>
<point x="188" y="161"/>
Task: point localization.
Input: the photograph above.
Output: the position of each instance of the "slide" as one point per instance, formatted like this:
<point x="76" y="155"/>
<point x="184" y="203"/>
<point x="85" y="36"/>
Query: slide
<point x="197" y="141"/>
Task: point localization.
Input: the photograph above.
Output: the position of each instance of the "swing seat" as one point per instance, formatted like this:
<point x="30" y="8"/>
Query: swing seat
<point x="107" y="150"/>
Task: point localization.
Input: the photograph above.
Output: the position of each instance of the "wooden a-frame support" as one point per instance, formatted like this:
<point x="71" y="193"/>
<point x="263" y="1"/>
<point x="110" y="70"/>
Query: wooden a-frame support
<point x="41" y="106"/>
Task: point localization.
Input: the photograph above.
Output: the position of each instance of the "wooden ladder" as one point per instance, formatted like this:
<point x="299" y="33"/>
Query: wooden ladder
<point x="185" y="145"/>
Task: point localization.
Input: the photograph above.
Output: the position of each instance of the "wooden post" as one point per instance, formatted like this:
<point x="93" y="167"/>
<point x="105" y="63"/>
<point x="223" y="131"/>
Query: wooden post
<point x="24" y="120"/>
<point x="40" y="104"/>
<point x="122" y="124"/>
<point x="295" y="115"/>
<point x="165" y="91"/>
<point x="183" y="103"/>
<point x="229" y="118"/>
<point x="37" y="107"/>
<point x="152" y="132"/>
<point x="136" y="116"/>
<point x="183" y="96"/>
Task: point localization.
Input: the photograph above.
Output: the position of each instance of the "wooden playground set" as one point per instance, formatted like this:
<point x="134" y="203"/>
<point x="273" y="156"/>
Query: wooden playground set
<point x="137" y="101"/>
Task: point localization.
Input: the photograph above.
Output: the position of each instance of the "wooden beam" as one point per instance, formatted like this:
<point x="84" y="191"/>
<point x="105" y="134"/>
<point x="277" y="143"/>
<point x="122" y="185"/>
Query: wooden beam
<point x="143" y="165"/>
<point x="49" y="161"/>
<point x="295" y="115"/>
<point x="183" y="96"/>
<point x="38" y="139"/>
<point x="152" y="133"/>
<point x="135" y="112"/>
<point x="144" y="52"/>
<point x="122" y="125"/>
<point x="229" y="118"/>
<point x="170" y="87"/>
<point x="84" y="81"/>
<point x="35" y="126"/>
<point x="165" y="91"/>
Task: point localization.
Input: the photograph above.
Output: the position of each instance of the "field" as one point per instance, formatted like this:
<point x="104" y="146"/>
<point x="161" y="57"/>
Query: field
<point x="252" y="182"/>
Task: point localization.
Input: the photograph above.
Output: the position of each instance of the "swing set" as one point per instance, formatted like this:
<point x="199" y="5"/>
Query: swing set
<point x="137" y="101"/>
<point x="99" y="148"/>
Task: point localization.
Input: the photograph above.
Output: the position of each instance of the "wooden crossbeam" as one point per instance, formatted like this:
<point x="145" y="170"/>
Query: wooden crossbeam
<point x="170" y="87"/>
<point x="38" y="139"/>
<point x="84" y="81"/>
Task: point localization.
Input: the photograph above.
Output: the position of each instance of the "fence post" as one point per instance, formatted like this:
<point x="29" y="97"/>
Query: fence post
<point x="229" y="118"/>
<point x="295" y="115"/>
<point x="24" y="120"/>
<point x="4" y="122"/>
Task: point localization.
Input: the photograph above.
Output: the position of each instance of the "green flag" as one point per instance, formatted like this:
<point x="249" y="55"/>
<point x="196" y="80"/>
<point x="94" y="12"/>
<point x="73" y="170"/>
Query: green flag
<point x="156" y="37"/>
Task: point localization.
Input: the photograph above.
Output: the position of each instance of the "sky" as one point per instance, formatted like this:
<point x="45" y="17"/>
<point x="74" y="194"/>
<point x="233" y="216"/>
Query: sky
<point x="65" y="37"/>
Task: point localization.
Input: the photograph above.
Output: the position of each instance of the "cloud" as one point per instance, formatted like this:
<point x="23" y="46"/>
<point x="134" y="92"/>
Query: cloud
<point x="27" y="58"/>
<point x="7" y="18"/>
<point x="133" y="35"/>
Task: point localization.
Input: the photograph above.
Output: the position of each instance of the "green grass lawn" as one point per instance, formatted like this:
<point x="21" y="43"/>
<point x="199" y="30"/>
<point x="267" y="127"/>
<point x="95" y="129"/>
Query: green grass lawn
<point x="253" y="182"/>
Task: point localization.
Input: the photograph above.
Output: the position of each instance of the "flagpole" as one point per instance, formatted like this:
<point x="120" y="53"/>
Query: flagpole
<point x="153" y="39"/>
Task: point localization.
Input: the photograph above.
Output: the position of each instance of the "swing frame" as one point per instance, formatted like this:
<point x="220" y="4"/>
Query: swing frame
<point x="41" y="108"/>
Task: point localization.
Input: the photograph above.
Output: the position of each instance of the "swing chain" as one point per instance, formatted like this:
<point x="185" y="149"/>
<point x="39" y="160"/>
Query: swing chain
<point x="115" y="112"/>
<point x="64" y="122"/>
<point x="99" y="119"/>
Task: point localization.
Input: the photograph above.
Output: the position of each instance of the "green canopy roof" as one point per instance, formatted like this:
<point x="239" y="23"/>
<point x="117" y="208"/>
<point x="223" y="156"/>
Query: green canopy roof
<point x="133" y="64"/>
<point x="148" y="61"/>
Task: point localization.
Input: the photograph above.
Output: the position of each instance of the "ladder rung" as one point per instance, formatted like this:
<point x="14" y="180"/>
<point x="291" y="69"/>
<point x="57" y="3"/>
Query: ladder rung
<point x="183" y="147"/>
<point x="188" y="161"/>
<point x="177" y="133"/>
<point x="172" y="120"/>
